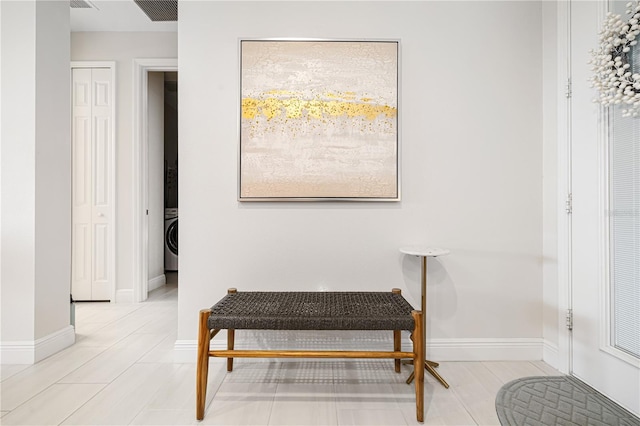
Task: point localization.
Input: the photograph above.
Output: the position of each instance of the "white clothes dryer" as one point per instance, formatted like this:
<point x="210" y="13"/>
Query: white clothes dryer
<point x="171" y="239"/>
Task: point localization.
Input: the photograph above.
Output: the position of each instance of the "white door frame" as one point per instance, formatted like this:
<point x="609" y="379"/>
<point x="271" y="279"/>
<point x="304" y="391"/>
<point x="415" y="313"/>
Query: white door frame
<point x="564" y="183"/>
<point x="141" y="68"/>
<point x="112" y="154"/>
<point x="565" y="230"/>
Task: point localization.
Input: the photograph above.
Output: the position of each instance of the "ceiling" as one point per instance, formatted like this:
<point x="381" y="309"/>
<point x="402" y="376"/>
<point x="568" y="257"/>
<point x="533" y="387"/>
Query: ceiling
<point x="115" y="15"/>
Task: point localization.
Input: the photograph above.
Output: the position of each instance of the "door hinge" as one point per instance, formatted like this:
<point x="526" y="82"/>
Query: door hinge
<point x="567" y="88"/>
<point x="569" y="319"/>
<point x="568" y="205"/>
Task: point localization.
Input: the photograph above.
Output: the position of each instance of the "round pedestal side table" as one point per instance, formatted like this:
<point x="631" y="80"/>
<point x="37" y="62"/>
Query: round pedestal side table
<point x="424" y="252"/>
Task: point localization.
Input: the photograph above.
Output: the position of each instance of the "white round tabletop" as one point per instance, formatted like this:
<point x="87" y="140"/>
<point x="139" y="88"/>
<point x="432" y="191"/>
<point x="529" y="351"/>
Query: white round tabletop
<point x="425" y="251"/>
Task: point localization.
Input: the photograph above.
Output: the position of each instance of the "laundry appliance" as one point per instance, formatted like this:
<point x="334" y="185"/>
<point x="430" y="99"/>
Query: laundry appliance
<point x="171" y="239"/>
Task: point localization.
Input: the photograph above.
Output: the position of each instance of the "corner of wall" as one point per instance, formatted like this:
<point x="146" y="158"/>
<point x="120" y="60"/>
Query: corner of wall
<point x="550" y="353"/>
<point x="30" y="352"/>
<point x="157" y="282"/>
<point x="124" y="296"/>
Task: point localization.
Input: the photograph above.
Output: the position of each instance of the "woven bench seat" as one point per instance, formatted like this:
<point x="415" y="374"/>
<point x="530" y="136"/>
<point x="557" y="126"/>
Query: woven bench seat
<point x="312" y="311"/>
<point x="309" y="311"/>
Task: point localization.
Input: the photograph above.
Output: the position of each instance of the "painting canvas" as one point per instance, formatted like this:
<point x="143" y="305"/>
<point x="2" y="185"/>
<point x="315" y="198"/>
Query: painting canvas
<point x="319" y="120"/>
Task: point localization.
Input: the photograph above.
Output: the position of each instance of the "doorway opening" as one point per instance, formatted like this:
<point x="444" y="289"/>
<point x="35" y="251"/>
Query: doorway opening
<point x="146" y="229"/>
<point x="162" y="160"/>
<point x="171" y="177"/>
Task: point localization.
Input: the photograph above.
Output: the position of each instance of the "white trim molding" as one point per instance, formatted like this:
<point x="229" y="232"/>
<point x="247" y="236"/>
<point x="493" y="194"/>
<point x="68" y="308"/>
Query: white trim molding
<point x="141" y="68"/>
<point x="486" y="349"/>
<point x="563" y="363"/>
<point x="550" y="353"/>
<point x="32" y="351"/>
<point x="157" y="282"/>
<point x="124" y="296"/>
<point x="185" y="351"/>
<point x="471" y="349"/>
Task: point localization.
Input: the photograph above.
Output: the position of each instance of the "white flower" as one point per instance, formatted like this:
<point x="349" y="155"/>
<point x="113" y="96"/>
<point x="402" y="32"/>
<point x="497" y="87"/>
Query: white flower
<point x="613" y="75"/>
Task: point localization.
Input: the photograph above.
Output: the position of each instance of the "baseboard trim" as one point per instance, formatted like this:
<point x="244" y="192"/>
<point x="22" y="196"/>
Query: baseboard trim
<point x="550" y="353"/>
<point x="486" y="349"/>
<point x="157" y="282"/>
<point x="185" y="351"/>
<point x="124" y="296"/>
<point x="472" y="349"/>
<point x="30" y="352"/>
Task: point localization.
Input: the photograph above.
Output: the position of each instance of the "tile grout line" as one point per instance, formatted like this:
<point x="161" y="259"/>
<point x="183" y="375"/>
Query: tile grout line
<point x="464" y="405"/>
<point x="106" y="385"/>
<point x="85" y="403"/>
<point x="57" y="381"/>
<point x="14" y="373"/>
<point x="466" y="408"/>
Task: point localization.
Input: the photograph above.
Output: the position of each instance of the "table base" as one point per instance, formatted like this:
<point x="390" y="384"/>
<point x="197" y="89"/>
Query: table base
<point x="430" y="366"/>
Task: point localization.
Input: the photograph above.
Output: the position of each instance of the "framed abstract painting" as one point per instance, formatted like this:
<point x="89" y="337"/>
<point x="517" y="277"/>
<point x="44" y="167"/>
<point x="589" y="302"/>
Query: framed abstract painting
<point x="319" y="120"/>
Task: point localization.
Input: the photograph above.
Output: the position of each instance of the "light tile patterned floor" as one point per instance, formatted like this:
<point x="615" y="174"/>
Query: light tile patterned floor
<point x="121" y="371"/>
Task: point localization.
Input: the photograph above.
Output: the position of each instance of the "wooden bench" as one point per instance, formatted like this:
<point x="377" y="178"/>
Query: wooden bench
<point x="309" y="311"/>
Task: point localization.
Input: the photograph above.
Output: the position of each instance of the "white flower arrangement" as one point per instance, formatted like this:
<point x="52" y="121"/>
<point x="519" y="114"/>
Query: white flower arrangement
<point x="613" y="76"/>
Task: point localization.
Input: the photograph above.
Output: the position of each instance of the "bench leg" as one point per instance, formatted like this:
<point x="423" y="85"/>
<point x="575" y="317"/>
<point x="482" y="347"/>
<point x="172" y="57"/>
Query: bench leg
<point x="418" y="362"/>
<point x="397" y="339"/>
<point x="230" y="341"/>
<point x="230" y="335"/>
<point x="202" y="367"/>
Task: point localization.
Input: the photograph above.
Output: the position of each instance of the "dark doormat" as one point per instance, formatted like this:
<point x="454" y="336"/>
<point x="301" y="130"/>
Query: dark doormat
<point x="558" y="400"/>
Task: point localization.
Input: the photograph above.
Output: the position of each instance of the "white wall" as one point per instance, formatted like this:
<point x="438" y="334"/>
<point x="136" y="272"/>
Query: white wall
<point x="123" y="47"/>
<point x="471" y="123"/>
<point x="36" y="180"/>
<point x="53" y="168"/>
<point x="156" y="178"/>
<point x="1" y="149"/>
<point x="550" y="205"/>
<point x="18" y="144"/>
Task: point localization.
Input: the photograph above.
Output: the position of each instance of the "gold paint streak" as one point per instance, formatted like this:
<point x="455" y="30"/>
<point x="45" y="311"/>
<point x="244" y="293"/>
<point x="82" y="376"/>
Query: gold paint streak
<point x="295" y="108"/>
<point x="270" y="107"/>
<point x="249" y="108"/>
<point x="314" y="109"/>
<point x="349" y="96"/>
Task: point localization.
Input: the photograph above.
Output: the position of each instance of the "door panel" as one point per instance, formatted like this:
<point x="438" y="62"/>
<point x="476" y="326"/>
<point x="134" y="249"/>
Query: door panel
<point x="81" y="157"/>
<point x="81" y="275"/>
<point x="594" y="360"/>
<point x="100" y="283"/>
<point x="81" y="257"/>
<point x="92" y="180"/>
<point x="101" y="164"/>
<point x="102" y="89"/>
<point x="101" y="112"/>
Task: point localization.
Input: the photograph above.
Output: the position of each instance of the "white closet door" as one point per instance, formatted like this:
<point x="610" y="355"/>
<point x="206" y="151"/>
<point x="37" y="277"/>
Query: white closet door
<point x="81" y="193"/>
<point x="92" y="193"/>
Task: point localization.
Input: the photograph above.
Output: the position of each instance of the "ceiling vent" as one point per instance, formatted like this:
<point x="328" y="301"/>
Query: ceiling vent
<point x="159" y="10"/>
<point x="80" y="4"/>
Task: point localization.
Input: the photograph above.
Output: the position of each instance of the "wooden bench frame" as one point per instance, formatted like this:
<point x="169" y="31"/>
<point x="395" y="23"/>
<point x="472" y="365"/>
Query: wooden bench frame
<point x="204" y="352"/>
